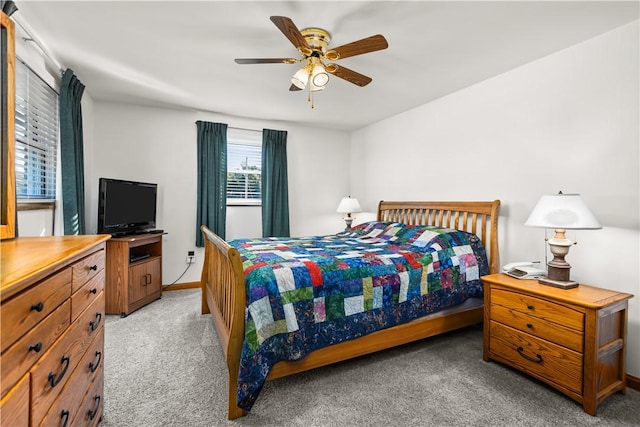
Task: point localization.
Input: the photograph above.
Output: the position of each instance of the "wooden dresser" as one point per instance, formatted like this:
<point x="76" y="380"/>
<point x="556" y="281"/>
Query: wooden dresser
<point x="573" y="340"/>
<point x="52" y="325"/>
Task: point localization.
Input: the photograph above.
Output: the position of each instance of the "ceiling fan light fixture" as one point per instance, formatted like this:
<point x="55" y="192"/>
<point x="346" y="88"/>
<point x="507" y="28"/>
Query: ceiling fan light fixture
<point x="319" y="76"/>
<point x="301" y="77"/>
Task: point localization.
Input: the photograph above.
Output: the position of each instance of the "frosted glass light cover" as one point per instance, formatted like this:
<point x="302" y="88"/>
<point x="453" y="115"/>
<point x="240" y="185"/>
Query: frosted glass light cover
<point x="562" y="211"/>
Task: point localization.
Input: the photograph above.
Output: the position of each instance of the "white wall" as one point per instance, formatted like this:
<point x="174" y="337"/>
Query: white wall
<point x="159" y="145"/>
<point x="569" y="121"/>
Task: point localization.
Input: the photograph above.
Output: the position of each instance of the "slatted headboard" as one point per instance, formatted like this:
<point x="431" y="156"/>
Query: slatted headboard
<point x="473" y="217"/>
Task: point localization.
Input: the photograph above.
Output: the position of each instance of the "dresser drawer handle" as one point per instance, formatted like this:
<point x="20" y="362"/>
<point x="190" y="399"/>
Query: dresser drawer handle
<point x="530" y="307"/>
<point x="529" y="325"/>
<point x="94" y="267"/>
<point x="64" y="416"/>
<point x="52" y="377"/>
<point x="37" y="307"/>
<point x="36" y="347"/>
<point x="94" y="325"/>
<point x="537" y="359"/>
<point x="92" y="413"/>
<point x="93" y="291"/>
<point x="93" y="367"/>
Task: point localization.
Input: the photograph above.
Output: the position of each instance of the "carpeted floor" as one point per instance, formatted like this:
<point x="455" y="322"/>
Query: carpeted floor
<point x="164" y="367"/>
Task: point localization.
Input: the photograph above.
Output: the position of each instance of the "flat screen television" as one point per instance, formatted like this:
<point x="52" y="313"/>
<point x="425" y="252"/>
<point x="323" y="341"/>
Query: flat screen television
<point x="126" y="207"/>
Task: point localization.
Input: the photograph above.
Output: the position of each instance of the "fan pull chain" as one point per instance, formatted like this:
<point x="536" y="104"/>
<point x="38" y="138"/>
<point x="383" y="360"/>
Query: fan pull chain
<point x="310" y="97"/>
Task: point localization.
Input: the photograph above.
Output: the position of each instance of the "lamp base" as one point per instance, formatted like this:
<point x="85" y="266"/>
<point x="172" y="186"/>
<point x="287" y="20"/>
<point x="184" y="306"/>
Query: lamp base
<point x="562" y="284"/>
<point x="348" y="221"/>
<point x="558" y="269"/>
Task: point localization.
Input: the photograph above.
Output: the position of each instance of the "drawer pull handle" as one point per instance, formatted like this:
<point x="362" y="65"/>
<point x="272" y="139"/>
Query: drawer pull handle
<point x="529" y="325"/>
<point x="537" y="359"/>
<point x="64" y="416"/>
<point x="93" y="291"/>
<point x="93" y="367"/>
<point x="36" y="347"/>
<point x="93" y="268"/>
<point x="94" y="325"/>
<point x="52" y="377"/>
<point x="530" y="307"/>
<point x="37" y="307"/>
<point x="92" y="413"/>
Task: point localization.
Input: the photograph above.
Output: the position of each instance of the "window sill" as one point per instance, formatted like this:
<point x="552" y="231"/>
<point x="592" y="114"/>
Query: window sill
<point x="22" y="205"/>
<point x="256" y="204"/>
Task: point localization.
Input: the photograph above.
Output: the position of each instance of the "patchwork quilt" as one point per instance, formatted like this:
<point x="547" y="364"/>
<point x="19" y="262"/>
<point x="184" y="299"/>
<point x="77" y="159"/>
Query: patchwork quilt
<point x="311" y="292"/>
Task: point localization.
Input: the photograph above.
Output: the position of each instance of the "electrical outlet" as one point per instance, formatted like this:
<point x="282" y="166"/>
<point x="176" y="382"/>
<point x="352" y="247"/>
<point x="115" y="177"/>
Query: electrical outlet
<point x="191" y="257"/>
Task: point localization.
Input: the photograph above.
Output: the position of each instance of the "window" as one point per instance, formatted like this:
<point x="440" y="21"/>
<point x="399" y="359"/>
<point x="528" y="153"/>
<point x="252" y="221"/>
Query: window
<point x="244" y="167"/>
<point x="36" y="136"/>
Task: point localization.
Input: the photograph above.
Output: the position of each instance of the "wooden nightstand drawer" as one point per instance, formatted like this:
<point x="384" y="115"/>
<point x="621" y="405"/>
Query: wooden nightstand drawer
<point x="552" y="312"/>
<point x="537" y="357"/>
<point x="539" y="327"/>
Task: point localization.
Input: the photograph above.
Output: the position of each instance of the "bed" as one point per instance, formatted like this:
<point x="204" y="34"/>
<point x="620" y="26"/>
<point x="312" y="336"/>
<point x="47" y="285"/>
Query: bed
<point x="441" y="236"/>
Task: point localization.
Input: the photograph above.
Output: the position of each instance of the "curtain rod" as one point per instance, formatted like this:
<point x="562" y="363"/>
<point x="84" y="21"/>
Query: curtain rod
<point x="250" y="130"/>
<point x="32" y="38"/>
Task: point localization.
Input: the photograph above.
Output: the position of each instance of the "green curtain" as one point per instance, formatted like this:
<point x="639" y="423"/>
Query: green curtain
<point x="275" y="189"/>
<point x="72" y="154"/>
<point x="212" y="179"/>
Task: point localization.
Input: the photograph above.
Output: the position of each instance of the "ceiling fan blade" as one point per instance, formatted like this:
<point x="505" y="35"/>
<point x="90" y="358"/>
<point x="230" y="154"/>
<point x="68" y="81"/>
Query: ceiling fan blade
<point x="291" y="32"/>
<point x="266" y="60"/>
<point x="370" y="44"/>
<point x="294" y="88"/>
<point x="348" y="75"/>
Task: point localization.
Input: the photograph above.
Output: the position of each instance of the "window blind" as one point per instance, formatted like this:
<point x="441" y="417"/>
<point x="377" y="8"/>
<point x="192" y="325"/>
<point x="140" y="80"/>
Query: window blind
<point x="36" y="135"/>
<point x="244" y="166"/>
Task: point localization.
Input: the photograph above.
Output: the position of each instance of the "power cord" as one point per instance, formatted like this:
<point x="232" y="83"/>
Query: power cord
<point x="175" y="281"/>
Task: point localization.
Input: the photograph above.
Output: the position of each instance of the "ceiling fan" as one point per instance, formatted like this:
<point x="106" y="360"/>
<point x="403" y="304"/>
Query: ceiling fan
<point x="313" y="46"/>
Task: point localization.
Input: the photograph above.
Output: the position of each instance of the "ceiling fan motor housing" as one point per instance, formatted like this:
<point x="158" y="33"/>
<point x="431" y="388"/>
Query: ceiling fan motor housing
<point x="317" y="38"/>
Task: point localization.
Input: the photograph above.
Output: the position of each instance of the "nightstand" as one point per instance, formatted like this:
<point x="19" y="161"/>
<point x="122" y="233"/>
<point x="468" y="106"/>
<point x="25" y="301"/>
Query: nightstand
<point x="573" y="340"/>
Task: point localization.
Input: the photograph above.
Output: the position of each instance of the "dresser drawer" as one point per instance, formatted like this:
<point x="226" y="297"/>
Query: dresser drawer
<point x="537" y="357"/>
<point x="90" y="411"/>
<point x="81" y="299"/>
<point x="52" y="372"/>
<point x="14" y="407"/>
<point x="550" y="311"/>
<point x="539" y="327"/>
<point x="23" y="312"/>
<point x="67" y="404"/>
<point x="87" y="268"/>
<point x="22" y="355"/>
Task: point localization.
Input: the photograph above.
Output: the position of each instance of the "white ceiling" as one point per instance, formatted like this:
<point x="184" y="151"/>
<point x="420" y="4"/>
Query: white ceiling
<point x="181" y="54"/>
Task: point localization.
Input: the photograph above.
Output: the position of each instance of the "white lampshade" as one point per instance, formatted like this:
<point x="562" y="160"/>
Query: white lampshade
<point x="301" y="77"/>
<point x="319" y="76"/>
<point x="349" y="205"/>
<point x="562" y="211"/>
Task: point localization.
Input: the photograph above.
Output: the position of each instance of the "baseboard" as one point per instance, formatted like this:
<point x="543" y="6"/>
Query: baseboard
<point x="633" y="382"/>
<point x="180" y="286"/>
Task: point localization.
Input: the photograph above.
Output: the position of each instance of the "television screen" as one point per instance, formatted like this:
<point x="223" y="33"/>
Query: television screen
<point x="126" y="207"/>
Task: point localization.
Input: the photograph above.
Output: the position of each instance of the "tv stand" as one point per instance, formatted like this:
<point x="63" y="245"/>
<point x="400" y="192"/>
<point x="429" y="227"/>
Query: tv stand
<point x="133" y="272"/>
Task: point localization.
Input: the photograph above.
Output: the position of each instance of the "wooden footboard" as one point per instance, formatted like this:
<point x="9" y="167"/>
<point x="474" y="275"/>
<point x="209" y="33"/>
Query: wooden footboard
<point x="223" y="295"/>
<point x="223" y="291"/>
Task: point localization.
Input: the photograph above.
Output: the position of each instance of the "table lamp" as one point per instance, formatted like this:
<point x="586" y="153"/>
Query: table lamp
<point x="561" y="212"/>
<point x="348" y="205"/>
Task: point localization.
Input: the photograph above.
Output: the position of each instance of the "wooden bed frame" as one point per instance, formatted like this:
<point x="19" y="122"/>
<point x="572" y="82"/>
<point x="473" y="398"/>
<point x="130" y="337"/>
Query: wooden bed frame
<point x="223" y="291"/>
